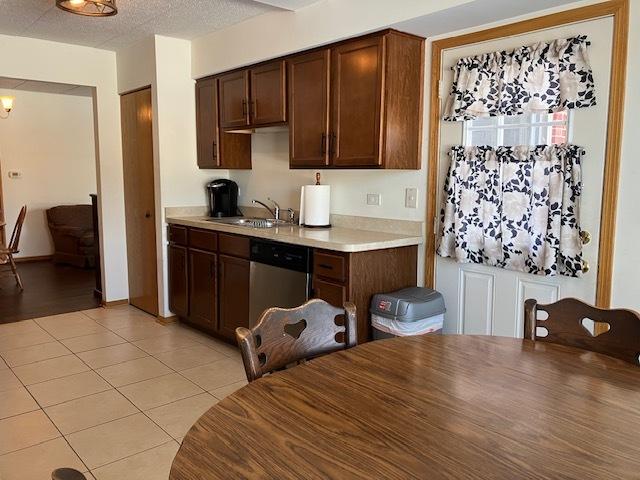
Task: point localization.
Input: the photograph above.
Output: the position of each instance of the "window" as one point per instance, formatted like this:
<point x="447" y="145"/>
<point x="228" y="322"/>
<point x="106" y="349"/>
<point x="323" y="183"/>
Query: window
<point x="527" y="129"/>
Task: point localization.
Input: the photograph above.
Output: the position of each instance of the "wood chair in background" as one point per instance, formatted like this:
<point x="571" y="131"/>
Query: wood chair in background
<point x="576" y="324"/>
<point x="287" y="335"/>
<point x="7" y="253"/>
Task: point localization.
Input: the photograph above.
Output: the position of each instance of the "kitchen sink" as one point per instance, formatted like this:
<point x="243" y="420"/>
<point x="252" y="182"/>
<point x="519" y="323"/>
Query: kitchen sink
<point x="247" y="222"/>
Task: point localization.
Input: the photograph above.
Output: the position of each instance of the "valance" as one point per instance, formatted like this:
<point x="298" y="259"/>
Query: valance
<point x="515" y="208"/>
<point x="544" y="77"/>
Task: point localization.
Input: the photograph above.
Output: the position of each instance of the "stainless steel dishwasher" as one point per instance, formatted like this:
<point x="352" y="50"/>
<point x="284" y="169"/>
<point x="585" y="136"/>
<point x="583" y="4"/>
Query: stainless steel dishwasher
<point x="280" y="276"/>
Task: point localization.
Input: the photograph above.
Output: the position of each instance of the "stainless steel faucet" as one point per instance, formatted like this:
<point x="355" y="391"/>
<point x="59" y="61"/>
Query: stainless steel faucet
<point x="275" y="212"/>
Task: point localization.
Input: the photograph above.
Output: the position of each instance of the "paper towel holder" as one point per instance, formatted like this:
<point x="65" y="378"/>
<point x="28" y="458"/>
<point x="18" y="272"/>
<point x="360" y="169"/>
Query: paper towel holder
<point x="302" y="206"/>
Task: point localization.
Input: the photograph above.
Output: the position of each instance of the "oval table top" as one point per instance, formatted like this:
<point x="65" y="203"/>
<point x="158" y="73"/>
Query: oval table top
<point x="433" y="406"/>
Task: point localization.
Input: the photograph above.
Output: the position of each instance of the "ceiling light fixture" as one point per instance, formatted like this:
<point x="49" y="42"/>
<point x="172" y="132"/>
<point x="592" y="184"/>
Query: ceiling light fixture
<point x="90" y="8"/>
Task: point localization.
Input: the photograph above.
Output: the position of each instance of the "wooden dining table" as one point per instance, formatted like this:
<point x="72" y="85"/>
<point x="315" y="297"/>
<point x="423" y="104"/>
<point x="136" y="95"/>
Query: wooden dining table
<point x="427" y="407"/>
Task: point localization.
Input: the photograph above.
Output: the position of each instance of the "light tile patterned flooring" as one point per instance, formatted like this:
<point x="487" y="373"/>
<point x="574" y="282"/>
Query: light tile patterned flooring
<point x="106" y="391"/>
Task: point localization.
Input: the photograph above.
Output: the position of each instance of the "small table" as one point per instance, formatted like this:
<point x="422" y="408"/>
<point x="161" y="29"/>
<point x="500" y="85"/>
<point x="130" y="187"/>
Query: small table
<point x="427" y="407"/>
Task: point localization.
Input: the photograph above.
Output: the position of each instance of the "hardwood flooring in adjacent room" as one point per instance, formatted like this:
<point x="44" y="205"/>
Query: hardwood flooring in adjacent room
<point x="49" y="289"/>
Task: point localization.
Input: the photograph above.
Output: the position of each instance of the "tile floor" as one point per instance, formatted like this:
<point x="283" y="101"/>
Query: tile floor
<point x="106" y="391"/>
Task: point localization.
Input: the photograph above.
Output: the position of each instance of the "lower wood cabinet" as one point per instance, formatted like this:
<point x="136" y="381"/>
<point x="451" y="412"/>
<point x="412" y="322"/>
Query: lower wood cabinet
<point x="203" y="288"/>
<point x="234" y="295"/>
<point x="178" y="280"/>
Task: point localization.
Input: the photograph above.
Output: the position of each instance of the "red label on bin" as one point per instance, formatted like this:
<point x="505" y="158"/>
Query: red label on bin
<point x="384" y="305"/>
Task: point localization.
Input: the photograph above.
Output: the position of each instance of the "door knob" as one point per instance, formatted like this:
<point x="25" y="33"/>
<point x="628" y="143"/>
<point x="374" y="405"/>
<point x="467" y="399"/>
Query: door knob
<point x="585" y="266"/>
<point x="585" y="237"/>
<point x="147" y="214"/>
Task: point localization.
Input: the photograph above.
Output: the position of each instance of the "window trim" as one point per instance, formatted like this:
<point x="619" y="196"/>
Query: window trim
<point x="501" y="126"/>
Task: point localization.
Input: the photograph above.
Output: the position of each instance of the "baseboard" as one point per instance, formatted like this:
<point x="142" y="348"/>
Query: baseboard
<point x="167" y="320"/>
<point x="38" y="258"/>
<point x="115" y="303"/>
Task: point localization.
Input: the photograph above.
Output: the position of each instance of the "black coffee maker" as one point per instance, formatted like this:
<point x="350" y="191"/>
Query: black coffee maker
<point x="223" y="198"/>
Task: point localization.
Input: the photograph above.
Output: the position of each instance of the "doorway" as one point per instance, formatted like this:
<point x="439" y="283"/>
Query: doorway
<point x="48" y="164"/>
<point x="137" y="155"/>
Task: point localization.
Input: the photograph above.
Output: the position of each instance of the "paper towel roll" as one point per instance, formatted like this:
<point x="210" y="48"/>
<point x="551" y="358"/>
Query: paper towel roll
<point x="315" y="204"/>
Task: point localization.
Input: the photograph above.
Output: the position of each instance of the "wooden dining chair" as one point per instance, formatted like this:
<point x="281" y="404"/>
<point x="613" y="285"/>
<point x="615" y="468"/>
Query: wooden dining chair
<point x="576" y="324"/>
<point x="7" y="253"/>
<point x="284" y="336"/>
<point x="67" y="474"/>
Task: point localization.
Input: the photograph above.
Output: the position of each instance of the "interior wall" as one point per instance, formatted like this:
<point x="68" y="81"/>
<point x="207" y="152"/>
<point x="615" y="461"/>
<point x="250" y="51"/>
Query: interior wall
<point x="49" y="139"/>
<point x="33" y="59"/>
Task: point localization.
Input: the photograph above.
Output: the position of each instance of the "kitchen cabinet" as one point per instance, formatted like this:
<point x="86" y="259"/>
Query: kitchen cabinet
<point x="209" y="279"/>
<point x="234" y="295"/>
<point x="358" y="104"/>
<point x="268" y="101"/>
<point x="308" y="90"/>
<point x="178" y="280"/>
<point x="234" y="99"/>
<point x="203" y="291"/>
<point x="253" y="97"/>
<point x="215" y="148"/>
<point x="356" y="277"/>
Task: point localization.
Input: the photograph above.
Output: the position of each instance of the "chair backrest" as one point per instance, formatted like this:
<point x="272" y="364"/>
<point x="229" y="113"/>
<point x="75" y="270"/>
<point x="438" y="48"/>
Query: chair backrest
<point x="287" y="335"/>
<point x="71" y="216"/>
<point x="17" y="230"/>
<point x="576" y="324"/>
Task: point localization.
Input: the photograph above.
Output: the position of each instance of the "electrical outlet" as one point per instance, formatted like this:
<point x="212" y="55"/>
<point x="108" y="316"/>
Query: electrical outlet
<point x="374" y="199"/>
<point x="15" y="174"/>
<point x="411" y="197"/>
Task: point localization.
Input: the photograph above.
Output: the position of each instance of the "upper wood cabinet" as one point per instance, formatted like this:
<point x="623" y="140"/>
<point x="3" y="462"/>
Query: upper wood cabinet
<point x="374" y="95"/>
<point x="234" y="99"/>
<point x="253" y="97"/>
<point x="268" y="102"/>
<point x="309" y="109"/>
<point x="217" y="149"/>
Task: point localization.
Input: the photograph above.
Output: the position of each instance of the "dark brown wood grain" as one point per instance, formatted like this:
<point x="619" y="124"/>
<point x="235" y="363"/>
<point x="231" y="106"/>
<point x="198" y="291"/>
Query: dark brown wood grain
<point x="287" y="335"/>
<point x="233" y="295"/>
<point x="235" y="245"/>
<point x="563" y="325"/>
<point x="427" y="407"/>
<point x="203" y="239"/>
<point x="203" y="288"/>
<point x="268" y="101"/>
<point x="308" y="90"/>
<point x="233" y="91"/>
<point x="178" y="280"/>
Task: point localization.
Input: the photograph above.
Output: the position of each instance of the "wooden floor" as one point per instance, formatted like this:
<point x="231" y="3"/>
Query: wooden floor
<point x="48" y="290"/>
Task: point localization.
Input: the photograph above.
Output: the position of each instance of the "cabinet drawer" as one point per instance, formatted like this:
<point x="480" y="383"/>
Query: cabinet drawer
<point x="234" y="245"/>
<point x="332" y="293"/>
<point x="203" y="239"/>
<point x="178" y="235"/>
<point x="330" y="265"/>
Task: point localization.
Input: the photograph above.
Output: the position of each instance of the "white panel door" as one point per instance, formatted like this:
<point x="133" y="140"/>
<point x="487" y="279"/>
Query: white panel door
<point x="489" y="300"/>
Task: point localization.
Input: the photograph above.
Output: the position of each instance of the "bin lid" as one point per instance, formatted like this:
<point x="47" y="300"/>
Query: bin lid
<point x="409" y="304"/>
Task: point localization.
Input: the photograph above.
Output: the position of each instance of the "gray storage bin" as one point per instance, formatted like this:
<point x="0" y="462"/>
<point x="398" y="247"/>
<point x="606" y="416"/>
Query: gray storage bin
<point x="410" y="311"/>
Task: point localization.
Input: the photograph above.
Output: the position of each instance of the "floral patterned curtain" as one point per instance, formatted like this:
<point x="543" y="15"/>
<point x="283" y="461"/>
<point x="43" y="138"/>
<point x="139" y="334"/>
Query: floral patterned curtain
<point x="545" y="77"/>
<point x="515" y="208"/>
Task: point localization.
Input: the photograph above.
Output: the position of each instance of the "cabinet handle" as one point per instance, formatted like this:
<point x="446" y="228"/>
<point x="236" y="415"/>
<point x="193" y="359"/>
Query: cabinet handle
<point x="244" y="108"/>
<point x="323" y="144"/>
<point x="253" y="105"/>
<point x="332" y="145"/>
<point x="214" y="144"/>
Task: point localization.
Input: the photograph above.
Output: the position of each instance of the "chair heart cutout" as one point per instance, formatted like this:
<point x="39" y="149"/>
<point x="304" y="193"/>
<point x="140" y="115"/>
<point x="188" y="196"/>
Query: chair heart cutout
<point x="595" y="328"/>
<point x="295" y="329"/>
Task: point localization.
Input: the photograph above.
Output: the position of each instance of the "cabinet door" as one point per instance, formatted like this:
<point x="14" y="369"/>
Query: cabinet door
<point x="309" y="109"/>
<point x="203" y="288"/>
<point x="234" y="99"/>
<point x="207" y="123"/>
<point x="332" y="293"/>
<point x="178" y="281"/>
<point x="356" y="96"/>
<point x="234" y="295"/>
<point x="268" y="103"/>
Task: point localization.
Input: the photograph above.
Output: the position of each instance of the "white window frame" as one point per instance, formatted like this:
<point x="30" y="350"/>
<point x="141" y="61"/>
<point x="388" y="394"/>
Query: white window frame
<point x="499" y="126"/>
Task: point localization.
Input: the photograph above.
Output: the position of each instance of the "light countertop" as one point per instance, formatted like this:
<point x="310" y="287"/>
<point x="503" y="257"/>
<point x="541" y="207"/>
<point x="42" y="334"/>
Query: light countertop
<point x="340" y="239"/>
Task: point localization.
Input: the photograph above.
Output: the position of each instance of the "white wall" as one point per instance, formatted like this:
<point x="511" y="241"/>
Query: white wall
<point x="626" y="269"/>
<point x="32" y="59"/>
<point x="49" y="138"/>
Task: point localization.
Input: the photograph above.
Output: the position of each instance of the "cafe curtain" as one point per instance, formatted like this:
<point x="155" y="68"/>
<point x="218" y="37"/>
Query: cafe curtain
<point x="544" y="77"/>
<point x="515" y="208"/>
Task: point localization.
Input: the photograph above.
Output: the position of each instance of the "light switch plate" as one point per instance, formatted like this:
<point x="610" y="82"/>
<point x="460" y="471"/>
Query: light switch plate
<point x="411" y="197"/>
<point x="374" y="199"/>
<point x="14" y="174"/>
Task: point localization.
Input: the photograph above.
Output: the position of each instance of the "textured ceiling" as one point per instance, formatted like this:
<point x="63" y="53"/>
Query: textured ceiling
<point x="136" y="19"/>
